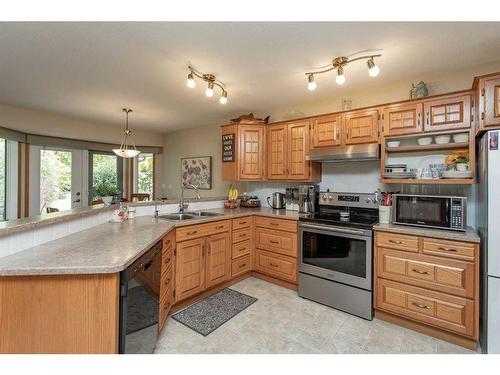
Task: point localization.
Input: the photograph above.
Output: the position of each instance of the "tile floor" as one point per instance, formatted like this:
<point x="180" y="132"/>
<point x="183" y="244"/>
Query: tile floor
<point x="282" y="322"/>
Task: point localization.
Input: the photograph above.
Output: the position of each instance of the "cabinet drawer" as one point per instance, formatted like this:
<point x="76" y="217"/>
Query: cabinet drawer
<point x="201" y="230"/>
<point x="168" y="240"/>
<point x="268" y="222"/>
<point x="167" y="259"/>
<point x="440" y="310"/>
<point x="445" y="275"/>
<point x="240" y="249"/>
<point x="397" y="241"/>
<point x="241" y="265"/>
<point x="449" y="249"/>
<point x="241" y="235"/>
<point x="242" y="222"/>
<point x="167" y="279"/>
<point x="284" y="243"/>
<point x="166" y="302"/>
<point x="279" y="266"/>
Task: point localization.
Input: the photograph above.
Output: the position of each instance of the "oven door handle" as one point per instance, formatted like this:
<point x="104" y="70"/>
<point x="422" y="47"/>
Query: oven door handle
<point x="334" y="229"/>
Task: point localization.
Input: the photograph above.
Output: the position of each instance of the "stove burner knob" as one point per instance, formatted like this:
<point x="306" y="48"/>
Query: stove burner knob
<point x="330" y="197"/>
<point x="368" y="200"/>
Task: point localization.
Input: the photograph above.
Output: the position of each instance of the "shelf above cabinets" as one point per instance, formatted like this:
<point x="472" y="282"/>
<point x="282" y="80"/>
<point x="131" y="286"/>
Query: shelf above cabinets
<point x="425" y="148"/>
<point x="441" y="181"/>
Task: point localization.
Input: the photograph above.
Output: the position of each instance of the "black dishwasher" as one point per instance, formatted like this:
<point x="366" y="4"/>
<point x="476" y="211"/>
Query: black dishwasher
<point x="139" y="296"/>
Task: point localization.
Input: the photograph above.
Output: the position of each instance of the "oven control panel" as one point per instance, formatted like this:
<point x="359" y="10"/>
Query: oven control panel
<point x="363" y="200"/>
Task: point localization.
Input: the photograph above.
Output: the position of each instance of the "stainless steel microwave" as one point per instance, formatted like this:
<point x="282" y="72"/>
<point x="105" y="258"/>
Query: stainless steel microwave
<point x="431" y="211"/>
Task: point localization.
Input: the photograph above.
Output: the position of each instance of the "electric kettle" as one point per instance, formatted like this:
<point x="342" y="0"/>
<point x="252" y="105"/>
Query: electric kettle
<point x="278" y="201"/>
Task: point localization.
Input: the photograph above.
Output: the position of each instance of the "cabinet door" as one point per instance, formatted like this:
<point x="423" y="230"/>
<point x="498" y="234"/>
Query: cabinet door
<point x="361" y="127"/>
<point x="276" y="152"/>
<point x="251" y="155"/>
<point x="491" y="103"/>
<point x="190" y="268"/>
<point x="218" y="264"/>
<point x="403" y="119"/>
<point x="447" y="113"/>
<point x="298" y="146"/>
<point x="326" y="131"/>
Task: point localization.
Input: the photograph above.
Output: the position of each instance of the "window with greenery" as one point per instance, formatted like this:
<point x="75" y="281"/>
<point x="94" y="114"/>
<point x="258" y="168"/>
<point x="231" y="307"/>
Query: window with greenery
<point x="105" y="175"/>
<point x="144" y="174"/>
<point x="3" y="178"/>
<point x="55" y="180"/>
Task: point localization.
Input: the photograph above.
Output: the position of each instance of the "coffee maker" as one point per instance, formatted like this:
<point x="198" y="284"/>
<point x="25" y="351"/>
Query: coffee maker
<point x="308" y="198"/>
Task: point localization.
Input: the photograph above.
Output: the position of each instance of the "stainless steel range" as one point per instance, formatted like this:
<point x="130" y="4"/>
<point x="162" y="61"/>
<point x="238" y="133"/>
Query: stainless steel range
<point x="336" y="252"/>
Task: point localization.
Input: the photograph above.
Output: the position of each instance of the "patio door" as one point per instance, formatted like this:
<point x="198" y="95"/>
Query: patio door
<point x="61" y="179"/>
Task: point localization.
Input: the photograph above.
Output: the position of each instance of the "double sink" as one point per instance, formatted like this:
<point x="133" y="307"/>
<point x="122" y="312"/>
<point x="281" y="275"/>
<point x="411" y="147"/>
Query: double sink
<point x="181" y="216"/>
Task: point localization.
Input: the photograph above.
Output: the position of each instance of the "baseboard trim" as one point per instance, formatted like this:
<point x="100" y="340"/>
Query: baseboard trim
<point x="427" y="330"/>
<point x="284" y="284"/>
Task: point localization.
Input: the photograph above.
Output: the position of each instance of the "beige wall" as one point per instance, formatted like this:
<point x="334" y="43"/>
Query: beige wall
<point x="206" y="140"/>
<point x="47" y="123"/>
<point x="201" y="141"/>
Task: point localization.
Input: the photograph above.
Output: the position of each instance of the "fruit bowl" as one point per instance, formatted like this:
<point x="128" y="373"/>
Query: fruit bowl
<point x="230" y="204"/>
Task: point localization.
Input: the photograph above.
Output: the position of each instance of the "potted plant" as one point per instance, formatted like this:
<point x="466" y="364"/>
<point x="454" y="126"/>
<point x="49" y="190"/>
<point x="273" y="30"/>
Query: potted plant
<point x="458" y="161"/>
<point x="105" y="191"/>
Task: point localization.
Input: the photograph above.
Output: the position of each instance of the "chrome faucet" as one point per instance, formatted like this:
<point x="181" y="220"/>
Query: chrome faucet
<point x="183" y="206"/>
<point x="156" y="208"/>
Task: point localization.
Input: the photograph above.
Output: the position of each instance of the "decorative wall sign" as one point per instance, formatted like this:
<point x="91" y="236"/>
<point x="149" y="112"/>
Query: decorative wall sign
<point x="197" y="171"/>
<point x="228" y="148"/>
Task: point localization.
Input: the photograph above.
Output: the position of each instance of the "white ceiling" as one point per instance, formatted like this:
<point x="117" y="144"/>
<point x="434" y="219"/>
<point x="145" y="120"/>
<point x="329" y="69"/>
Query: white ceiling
<point x="92" y="70"/>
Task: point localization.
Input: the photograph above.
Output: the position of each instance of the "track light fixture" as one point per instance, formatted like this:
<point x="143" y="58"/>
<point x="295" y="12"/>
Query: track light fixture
<point x="212" y="82"/>
<point x="338" y="64"/>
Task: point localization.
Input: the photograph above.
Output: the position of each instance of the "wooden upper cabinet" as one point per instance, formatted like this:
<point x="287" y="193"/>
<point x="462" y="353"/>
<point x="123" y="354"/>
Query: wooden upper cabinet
<point x="251" y="152"/>
<point x="189" y="268"/>
<point x="489" y="100"/>
<point x="218" y="266"/>
<point x="403" y="118"/>
<point x="298" y="167"/>
<point x="326" y="131"/>
<point x="361" y="126"/>
<point x="276" y="151"/>
<point x="447" y="113"/>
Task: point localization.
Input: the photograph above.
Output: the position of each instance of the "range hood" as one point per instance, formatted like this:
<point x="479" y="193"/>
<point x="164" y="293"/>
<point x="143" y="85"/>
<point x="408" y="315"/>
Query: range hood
<point x="366" y="152"/>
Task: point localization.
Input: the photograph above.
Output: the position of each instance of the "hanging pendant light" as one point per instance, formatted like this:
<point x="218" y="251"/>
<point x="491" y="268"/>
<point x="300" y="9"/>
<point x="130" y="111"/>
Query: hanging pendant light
<point x="124" y="151"/>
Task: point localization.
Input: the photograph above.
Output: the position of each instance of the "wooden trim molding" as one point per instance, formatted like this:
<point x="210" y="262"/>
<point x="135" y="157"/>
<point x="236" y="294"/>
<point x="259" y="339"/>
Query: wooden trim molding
<point x="26" y="179"/>
<point x="19" y="179"/>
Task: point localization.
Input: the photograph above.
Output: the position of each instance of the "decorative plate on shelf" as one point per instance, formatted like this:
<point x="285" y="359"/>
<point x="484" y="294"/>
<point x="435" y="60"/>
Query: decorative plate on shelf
<point x="457" y="174"/>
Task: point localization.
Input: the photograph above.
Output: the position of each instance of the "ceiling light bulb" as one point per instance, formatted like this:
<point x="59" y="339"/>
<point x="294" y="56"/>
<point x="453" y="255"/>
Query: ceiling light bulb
<point x="210" y="90"/>
<point x="311" y="84"/>
<point x="223" y="98"/>
<point x="373" y="70"/>
<point x="340" y="79"/>
<point x="190" y="81"/>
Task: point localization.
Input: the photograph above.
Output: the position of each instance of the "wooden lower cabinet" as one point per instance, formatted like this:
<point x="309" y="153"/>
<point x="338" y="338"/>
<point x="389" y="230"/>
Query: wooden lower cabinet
<point x="241" y="265"/>
<point x="189" y="268"/>
<point x="218" y="264"/>
<point x="431" y="283"/>
<point x="75" y="314"/>
<point x="202" y="262"/>
<point x="279" y="266"/>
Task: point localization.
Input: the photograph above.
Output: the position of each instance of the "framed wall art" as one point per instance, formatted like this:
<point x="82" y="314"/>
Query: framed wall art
<point x="197" y="171"/>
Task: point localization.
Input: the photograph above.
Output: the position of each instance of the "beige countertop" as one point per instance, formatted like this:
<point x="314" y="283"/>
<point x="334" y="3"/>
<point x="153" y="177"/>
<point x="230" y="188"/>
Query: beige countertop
<point x="110" y="247"/>
<point x="470" y="235"/>
<point x="28" y="223"/>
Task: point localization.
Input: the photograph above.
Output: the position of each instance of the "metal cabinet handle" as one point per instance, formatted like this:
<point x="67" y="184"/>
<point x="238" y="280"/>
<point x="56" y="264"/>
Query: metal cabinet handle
<point x="420" y="272"/>
<point x="193" y="232"/>
<point x="420" y="306"/>
<point x="166" y="306"/>
<point x="276" y="242"/>
<point x="220" y="227"/>
<point x="167" y="242"/>
<point x="273" y="264"/>
<point x="447" y="249"/>
<point x="167" y="260"/>
<point x="397" y="242"/>
<point x="274" y="224"/>
<point x="242" y="235"/>
<point x="167" y="281"/>
<point x="242" y="265"/>
<point x="427" y="115"/>
<point x="418" y="122"/>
